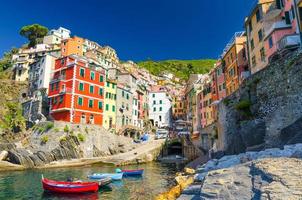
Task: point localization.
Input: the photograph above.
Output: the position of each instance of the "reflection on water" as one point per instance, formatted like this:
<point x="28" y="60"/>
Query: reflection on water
<point x="27" y="184"/>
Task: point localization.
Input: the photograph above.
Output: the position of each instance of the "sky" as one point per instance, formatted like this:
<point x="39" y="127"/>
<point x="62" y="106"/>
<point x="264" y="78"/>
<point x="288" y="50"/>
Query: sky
<point x="137" y="29"/>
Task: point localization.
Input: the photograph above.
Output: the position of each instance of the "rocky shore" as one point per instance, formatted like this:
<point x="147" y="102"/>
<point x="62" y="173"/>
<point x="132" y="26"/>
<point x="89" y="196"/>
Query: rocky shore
<point x="269" y="174"/>
<point x="74" y="145"/>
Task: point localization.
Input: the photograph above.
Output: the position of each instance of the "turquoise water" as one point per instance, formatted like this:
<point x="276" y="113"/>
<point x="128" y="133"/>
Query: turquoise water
<point x="27" y="184"/>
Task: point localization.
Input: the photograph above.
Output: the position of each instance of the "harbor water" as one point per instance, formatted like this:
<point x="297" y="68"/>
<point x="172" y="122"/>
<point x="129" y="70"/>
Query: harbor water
<point x="27" y="184"/>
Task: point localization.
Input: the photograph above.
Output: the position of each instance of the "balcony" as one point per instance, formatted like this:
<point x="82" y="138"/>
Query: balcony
<point x="276" y="25"/>
<point x="289" y="41"/>
<point x="244" y="75"/>
<point x="58" y="78"/>
<point x="65" y="90"/>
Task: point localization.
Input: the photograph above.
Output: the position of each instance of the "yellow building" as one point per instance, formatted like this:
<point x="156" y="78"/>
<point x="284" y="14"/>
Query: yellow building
<point x="254" y="25"/>
<point x="109" y="113"/>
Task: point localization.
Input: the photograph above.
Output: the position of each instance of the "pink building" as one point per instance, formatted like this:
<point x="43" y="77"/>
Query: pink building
<point x="220" y="80"/>
<point x="282" y="30"/>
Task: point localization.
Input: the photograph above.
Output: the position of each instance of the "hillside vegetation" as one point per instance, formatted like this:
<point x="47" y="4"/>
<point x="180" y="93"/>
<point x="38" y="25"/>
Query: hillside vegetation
<point x="180" y="68"/>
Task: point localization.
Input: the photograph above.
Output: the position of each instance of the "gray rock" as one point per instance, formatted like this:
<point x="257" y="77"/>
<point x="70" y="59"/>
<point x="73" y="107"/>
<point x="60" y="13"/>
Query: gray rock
<point x="3" y="155"/>
<point x="253" y="133"/>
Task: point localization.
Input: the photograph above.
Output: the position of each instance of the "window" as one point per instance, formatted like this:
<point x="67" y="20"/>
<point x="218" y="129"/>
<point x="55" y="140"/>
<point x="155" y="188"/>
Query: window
<point x="262" y="54"/>
<point x="160" y="118"/>
<point x="100" y="105"/>
<point x="127" y="97"/>
<point x="57" y="86"/>
<point x="154" y="109"/>
<point x="270" y="42"/>
<point x="109" y="95"/>
<point x="62" y="61"/>
<point x="80" y="101"/>
<point x="114" y="96"/>
<point x="279" y="4"/>
<point x="113" y="86"/>
<point x="252" y="44"/>
<point x="258" y="15"/>
<point x="108" y="84"/>
<point x="260" y="35"/>
<point x="90" y="103"/>
<point x="113" y="108"/>
<point x="154" y="102"/>
<point x="101" y="91"/>
<point x="52" y="87"/>
<point x="82" y="72"/>
<point x="101" y="79"/>
<point x="91" y="75"/>
<point x="91" y="89"/>
<point x="250" y="26"/>
<point x="54" y="100"/>
<point x="253" y="61"/>
<point x="160" y="101"/>
<point x="293" y="12"/>
<point x="123" y="93"/>
<point x="81" y="86"/>
<point x="287" y="18"/>
<point x="107" y="107"/>
<point x="61" y="99"/>
<point x="160" y="109"/>
<point x="153" y="95"/>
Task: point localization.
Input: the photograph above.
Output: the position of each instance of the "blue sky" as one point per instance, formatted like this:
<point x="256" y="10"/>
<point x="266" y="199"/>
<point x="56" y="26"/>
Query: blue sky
<point x="137" y="29"/>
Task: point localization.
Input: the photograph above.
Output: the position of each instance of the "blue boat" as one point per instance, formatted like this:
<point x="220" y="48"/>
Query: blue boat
<point x="134" y="172"/>
<point x="114" y="177"/>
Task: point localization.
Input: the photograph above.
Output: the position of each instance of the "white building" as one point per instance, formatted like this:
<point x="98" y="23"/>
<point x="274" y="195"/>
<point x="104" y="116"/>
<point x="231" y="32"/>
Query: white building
<point x="160" y="107"/>
<point x="40" y="73"/>
<point x="135" y="110"/>
<point x="56" y="36"/>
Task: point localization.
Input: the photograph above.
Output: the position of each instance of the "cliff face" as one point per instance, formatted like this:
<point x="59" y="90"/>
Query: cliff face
<point x="266" y="111"/>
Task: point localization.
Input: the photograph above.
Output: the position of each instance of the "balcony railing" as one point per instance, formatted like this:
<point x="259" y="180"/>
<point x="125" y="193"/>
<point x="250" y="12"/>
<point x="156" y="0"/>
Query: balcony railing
<point x="289" y="41"/>
<point x="276" y="25"/>
<point x="58" y="78"/>
<point x="65" y="90"/>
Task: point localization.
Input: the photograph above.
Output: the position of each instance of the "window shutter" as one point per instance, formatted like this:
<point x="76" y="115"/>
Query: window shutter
<point x="287" y="18"/>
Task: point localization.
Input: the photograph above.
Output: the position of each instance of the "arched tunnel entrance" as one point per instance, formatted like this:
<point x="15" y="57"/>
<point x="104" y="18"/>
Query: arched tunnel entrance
<point x="175" y="148"/>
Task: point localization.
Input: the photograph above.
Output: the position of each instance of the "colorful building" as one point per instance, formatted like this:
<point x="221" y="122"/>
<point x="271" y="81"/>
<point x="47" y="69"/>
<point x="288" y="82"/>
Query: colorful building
<point x="160" y="107"/>
<point x="124" y="106"/>
<point x="110" y="104"/>
<point x="55" y="36"/>
<point x="76" y="91"/>
<point x="233" y="59"/>
<point x="220" y="79"/>
<point x="254" y="25"/>
<point x="71" y="46"/>
<point x="282" y="30"/>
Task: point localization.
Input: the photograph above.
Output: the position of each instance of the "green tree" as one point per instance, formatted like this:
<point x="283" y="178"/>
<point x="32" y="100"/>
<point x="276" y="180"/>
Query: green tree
<point x="6" y="60"/>
<point x="34" y="33"/>
<point x="13" y="119"/>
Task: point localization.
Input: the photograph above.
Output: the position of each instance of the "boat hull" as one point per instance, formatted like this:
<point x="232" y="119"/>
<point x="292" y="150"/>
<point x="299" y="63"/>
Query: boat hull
<point x="136" y="172"/>
<point x="114" y="177"/>
<point x="69" y="187"/>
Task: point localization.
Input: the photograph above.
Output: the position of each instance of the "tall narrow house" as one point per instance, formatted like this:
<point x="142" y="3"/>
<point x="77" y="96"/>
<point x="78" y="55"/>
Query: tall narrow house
<point x="76" y="91"/>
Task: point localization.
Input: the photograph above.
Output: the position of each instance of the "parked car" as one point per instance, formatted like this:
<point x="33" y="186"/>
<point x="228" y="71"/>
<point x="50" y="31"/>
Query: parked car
<point x="161" y="134"/>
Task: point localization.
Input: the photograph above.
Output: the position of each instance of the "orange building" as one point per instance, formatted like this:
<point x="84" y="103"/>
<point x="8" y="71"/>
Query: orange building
<point x="72" y="45"/>
<point x="77" y="91"/>
<point x="233" y="60"/>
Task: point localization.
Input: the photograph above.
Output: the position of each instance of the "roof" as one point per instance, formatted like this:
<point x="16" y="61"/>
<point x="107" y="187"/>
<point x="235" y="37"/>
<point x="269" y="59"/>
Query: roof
<point x="231" y="42"/>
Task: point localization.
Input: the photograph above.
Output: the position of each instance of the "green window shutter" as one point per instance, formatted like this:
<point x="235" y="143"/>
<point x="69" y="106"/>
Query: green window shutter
<point x="160" y="109"/>
<point x="82" y="72"/>
<point x="100" y="105"/>
<point x="127" y="96"/>
<point x="154" y="109"/>
<point x="113" y="85"/>
<point x="101" y="91"/>
<point x="91" y="75"/>
<point x="108" y="84"/>
<point x="160" y="102"/>
<point x="115" y="97"/>
<point x="123" y="93"/>
<point x="107" y="107"/>
<point x="113" y="108"/>
<point x="91" y="88"/>
<point x="90" y="103"/>
<point x="80" y="101"/>
<point x="81" y="86"/>
<point x="153" y="95"/>
<point x="101" y="78"/>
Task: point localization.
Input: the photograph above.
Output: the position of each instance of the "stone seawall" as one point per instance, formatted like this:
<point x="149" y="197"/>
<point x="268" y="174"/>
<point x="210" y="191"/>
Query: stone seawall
<point x="266" y="111"/>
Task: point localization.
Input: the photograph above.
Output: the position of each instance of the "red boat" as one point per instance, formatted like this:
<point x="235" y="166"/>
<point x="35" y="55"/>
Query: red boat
<point x="69" y="187"/>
